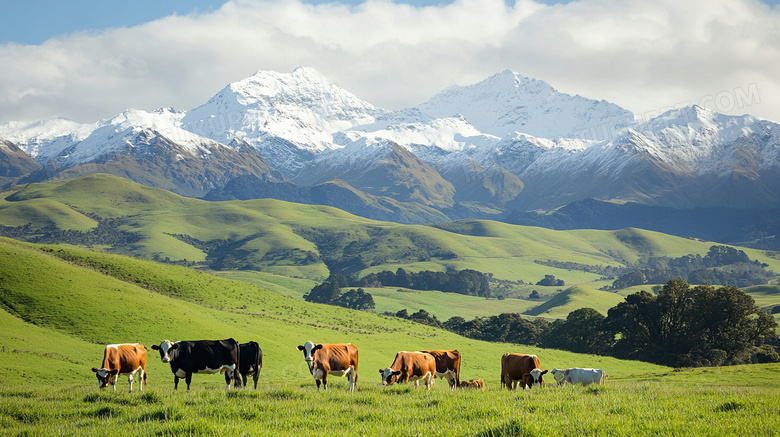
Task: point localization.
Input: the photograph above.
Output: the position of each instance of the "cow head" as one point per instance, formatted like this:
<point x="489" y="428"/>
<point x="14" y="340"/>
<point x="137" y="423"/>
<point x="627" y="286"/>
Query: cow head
<point x="389" y="376"/>
<point x="166" y="349"/>
<point x="309" y="349"/>
<point x="104" y="376"/>
<point x="558" y="375"/>
<point x="534" y="378"/>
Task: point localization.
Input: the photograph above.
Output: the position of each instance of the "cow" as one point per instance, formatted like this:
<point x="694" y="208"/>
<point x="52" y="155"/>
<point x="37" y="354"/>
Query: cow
<point x="410" y="366"/>
<point x="250" y="361"/>
<point x="472" y="383"/>
<point x="558" y="375"/>
<point x="447" y="366"/>
<point x="201" y="356"/>
<point x="522" y="368"/>
<point x="338" y="359"/>
<point x="584" y="376"/>
<point x="122" y="359"/>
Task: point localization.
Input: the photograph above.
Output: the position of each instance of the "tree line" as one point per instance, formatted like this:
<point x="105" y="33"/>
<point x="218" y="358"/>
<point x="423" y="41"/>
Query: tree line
<point x="683" y="326"/>
<point x="468" y="281"/>
<point x="722" y="265"/>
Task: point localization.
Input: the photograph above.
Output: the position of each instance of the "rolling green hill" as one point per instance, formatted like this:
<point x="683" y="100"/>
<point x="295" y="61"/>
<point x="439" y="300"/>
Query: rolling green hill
<point x="62" y="304"/>
<point x="289" y="247"/>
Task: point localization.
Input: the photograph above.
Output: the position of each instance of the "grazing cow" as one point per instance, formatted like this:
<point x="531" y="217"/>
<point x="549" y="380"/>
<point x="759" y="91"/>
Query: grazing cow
<point x="558" y="375"/>
<point x="202" y="356"/>
<point x="340" y="359"/>
<point x="522" y="368"/>
<point x="447" y="366"/>
<point x="122" y="359"/>
<point x="410" y="366"/>
<point x="579" y="375"/>
<point x="473" y="383"/>
<point x="250" y="361"/>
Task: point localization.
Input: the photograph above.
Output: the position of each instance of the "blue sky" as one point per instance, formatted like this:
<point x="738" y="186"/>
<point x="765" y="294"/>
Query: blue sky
<point x="91" y="59"/>
<point x="35" y="21"/>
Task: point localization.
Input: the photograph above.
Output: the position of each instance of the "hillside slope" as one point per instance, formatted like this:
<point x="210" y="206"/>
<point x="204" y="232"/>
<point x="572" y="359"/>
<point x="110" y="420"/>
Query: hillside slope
<point x="88" y="299"/>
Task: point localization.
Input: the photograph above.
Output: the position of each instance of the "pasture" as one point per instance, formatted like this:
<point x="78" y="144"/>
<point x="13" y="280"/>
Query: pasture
<point x="710" y="402"/>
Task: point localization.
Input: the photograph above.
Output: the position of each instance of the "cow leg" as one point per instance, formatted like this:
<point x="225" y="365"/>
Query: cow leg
<point x="130" y="381"/>
<point x="143" y="379"/>
<point x="175" y="382"/>
<point x="256" y="376"/>
<point x="188" y="379"/>
<point x="325" y="381"/>
<point x="351" y="379"/>
<point x="228" y="377"/>
<point x="318" y="384"/>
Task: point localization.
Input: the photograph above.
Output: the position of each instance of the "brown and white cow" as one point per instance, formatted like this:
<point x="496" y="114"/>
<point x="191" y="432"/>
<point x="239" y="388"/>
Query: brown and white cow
<point x="473" y="383"/>
<point x="447" y="366"/>
<point x="521" y="368"/>
<point x="122" y="359"/>
<point x="338" y="359"/>
<point x="410" y="366"/>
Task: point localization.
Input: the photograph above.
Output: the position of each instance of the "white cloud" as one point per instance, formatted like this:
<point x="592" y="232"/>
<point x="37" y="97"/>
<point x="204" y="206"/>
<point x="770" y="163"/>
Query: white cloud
<point x="642" y="55"/>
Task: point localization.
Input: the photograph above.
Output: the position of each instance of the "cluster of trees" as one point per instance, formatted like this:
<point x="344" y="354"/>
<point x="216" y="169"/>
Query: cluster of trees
<point x="329" y="292"/>
<point x="550" y="281"/>
<point x="106" y="233"/>
<point x="680" y="326"/>
<point x="470" y="282"/>
<point x="722" y="265"/>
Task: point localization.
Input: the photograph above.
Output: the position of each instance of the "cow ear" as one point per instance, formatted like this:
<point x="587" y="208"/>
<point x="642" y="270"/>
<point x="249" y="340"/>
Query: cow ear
<point x="155" y="347"/>
<point x="174" y="346"/>
<point x="381" y="371"/>
<point x="526" y="374"/>
<point x="316" y="348"/>
<point x="396" y="373"/>
<point x="543" y="372"/>
<point x="95" y="369"/>
<point x="300" y="348"/>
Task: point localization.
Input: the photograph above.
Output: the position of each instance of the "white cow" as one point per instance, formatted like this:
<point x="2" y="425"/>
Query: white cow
<point x="579" y="375"/>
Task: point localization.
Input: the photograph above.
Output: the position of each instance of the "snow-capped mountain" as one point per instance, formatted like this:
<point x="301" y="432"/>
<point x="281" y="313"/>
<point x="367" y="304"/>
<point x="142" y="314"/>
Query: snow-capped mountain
<point x="507" y="102"/>
<point x="289" y="118"/>
<point x="507" y="142"/>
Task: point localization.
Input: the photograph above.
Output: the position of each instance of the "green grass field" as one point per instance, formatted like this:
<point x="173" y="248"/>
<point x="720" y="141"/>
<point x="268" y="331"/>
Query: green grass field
<point x="661" y="405"/>
<point x="61" y="305"/>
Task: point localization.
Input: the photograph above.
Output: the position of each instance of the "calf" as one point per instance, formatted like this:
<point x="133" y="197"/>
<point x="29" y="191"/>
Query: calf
<point x="472" y="383"/>
<point x="250" y="361"/>
<point x="339" y="359"/>
<point x="122" y="359"/>
<point x="410" y="366"/>
<point x="584" y="376"/>
<point x="447" y="365"/>
<point x="521" y="368"/>
<point x="201" y="356"/>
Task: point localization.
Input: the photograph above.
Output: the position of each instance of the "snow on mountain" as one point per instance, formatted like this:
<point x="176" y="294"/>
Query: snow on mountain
<point x="267" y="109"/>
<point x="45" y="137"/>
<point x="507" y="102"/>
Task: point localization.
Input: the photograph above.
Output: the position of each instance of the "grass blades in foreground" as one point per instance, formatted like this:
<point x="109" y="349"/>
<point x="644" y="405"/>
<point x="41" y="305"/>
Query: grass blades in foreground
<point x="620" y="409"/>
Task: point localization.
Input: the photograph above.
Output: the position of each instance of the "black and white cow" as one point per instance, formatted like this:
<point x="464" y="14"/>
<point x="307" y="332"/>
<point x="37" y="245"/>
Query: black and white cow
<point x="250" y="362"/>
<point x="202" y="356"/>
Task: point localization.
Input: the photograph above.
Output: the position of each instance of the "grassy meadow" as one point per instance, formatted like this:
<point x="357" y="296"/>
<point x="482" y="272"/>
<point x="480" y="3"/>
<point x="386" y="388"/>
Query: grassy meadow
<point x="60" y="305"/>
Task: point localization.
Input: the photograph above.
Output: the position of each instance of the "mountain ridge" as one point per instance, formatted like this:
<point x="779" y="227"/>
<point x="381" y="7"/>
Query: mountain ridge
<point x="507" y="143"/>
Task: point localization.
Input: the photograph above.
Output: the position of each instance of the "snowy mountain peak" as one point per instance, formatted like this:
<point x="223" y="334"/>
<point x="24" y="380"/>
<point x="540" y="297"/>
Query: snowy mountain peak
<point x="508" y="102"/>
<point x="301" y="109"/>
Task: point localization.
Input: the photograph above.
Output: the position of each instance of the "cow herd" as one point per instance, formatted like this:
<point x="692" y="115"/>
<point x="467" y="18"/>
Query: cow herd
<point x="239" y="361"/>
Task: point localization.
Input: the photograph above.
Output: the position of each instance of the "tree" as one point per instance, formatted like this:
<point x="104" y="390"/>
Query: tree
<point x="549" y="280"/>
<point x="583" y="331"/>
<point x="327" y="293"/>
<point x="356" y="299"/>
